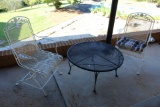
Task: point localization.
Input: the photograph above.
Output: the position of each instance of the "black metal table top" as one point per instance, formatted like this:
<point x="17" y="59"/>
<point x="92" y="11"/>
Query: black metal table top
<point x="95" y="56"/>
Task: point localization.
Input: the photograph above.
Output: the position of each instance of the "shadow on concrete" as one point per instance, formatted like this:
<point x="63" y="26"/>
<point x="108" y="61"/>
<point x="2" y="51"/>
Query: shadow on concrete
<point x="85" y="8"/>
<point x="24" y="95"/>
<point x="124" y="91"/>
<point x="64" y="38"/>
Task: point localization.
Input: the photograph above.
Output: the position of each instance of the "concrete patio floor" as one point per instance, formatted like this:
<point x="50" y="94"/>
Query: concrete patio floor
<point x="76" y="89"/>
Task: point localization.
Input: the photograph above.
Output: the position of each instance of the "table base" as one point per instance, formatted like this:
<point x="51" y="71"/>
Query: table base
<point x="96" y="75"/>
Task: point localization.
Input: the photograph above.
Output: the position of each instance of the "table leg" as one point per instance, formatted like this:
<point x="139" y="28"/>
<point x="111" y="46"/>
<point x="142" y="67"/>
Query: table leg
<point x="96" y="75"/>
<point x="70" y="66"/>
<point x="116" y="73"/>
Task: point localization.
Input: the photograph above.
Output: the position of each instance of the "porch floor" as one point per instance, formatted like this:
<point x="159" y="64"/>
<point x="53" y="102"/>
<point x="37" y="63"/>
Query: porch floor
<point x="76" y="89"/>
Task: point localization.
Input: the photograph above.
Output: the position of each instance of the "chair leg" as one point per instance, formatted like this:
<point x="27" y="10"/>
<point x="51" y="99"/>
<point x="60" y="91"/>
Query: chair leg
<point x="60" y="72"/>
<point x="41" y="87"/>
<point x="138" y="72"/>
<point x="139" y="67"/>
<point x="33" y="77"/>
<point x="17" y="83"/>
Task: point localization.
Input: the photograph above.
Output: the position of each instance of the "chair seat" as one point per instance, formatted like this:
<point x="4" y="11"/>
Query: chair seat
<point x="44" y="66"/>
<point x="131" y="44"/>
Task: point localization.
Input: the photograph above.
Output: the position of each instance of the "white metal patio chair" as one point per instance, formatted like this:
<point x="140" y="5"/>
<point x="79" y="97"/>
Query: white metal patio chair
<point x="132" y="43"/>
<point x="41" y="64"/>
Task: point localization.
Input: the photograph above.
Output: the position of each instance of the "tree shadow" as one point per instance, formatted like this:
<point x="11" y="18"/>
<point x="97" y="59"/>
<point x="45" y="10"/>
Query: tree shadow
<point x="85" y="8"/>
<point x="65" y="38"/>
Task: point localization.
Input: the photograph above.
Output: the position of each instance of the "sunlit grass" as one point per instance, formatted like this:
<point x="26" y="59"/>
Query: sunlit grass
<point x="36" y="14"/>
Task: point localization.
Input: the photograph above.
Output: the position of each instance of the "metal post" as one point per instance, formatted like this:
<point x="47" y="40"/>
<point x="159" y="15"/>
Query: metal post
<point x="111" y="21"/>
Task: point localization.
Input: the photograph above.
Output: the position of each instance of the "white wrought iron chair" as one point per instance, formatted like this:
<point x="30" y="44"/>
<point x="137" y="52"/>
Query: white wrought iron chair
<point x="133" y="43"/>
<point x="41" y="64"/>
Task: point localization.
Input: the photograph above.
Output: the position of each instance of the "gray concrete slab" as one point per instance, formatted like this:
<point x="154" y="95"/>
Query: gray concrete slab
<point x="124" y="91"/>
<point x="24" y="95"/>
<point x="151" y="102"/>
<point x="77" y="88"/>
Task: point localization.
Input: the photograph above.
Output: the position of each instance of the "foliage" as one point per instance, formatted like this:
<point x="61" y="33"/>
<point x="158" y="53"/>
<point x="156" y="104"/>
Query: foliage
<point x="3" y="7"/>
<point x="121" y="15"/>
<point x="106" y="12"/>
<point x="48" y="1"/>
<point x="75" y="1"/>
<point x="42" y="1"/>
<point x="30" y="2"/>
<point x="69" y="1"/>
<point x="12" y="4"/>
<point x="102" y="9"/>
<point x="158" y="2"/>
<point x="56" y="3"/>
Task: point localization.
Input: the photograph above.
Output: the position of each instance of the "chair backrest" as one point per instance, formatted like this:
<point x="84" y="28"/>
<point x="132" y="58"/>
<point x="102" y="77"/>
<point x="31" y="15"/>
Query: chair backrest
<point x="139" y="22"/>
<point x="20" y="37"/>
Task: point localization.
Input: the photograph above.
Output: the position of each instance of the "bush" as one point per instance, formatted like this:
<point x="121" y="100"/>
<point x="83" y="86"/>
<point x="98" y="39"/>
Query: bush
<point x="3" y="7"/>
<point x="57" y="4"/>
<point x="69" y="1"/>
<point x="121" y="15"/>
<point x="11" y="4"/>
<point x="30" y="2"/>
<point x="75" y="1"/>
<point x="103" y="10"/>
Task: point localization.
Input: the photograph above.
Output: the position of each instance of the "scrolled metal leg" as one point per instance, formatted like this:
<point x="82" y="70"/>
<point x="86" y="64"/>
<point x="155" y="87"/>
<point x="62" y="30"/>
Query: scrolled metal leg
<point x="116" y="73"/>
<point x="96" y="75"/>
<point x="70" y="66"/>
<point x="138" y="72"/>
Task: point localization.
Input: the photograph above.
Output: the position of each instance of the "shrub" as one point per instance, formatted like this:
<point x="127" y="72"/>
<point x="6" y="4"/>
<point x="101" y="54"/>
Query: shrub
<point x="30" y="2"/>
<point x="102" y="9"/>
<point x="69" y="1"/>
<point x="121" y="15"/>
<point x="57" y="4"/>
<point x="11" y="4"/>
<point x="75" y="1"/>
<point x="3" y="7"/>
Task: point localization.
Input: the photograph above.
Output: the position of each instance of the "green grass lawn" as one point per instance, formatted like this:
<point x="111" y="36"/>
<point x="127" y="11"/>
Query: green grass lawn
<point x="36" y="14"/>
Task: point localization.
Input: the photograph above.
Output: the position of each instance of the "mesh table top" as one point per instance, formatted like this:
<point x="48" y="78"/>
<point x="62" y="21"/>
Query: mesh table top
<point x="95" y="56"/>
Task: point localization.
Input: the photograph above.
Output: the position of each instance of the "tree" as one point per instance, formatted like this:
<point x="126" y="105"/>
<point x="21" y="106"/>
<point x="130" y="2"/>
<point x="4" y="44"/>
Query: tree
<point x="12" y="4"/>
<point x="2" y="5"/>
<point x="56" y="3"/>
<point x="31" y="2"/>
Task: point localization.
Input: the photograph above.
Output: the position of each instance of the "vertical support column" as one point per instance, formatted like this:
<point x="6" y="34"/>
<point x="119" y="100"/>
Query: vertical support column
<point x="111" y="21"/>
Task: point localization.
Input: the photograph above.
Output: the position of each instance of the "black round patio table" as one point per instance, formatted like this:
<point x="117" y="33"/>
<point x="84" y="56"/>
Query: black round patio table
<point x="96" y="57"/>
